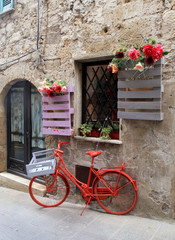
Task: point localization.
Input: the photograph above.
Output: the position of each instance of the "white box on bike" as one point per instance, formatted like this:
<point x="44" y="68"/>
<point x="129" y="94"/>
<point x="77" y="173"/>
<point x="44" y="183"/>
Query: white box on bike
<point x="42" y="163"/>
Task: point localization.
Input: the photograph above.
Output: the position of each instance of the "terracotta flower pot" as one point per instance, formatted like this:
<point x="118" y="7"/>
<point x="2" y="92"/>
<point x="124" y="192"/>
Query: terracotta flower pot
<point x="87" y="134"/>
<point x="114" y="135"/>
<point x="95" y="133"/>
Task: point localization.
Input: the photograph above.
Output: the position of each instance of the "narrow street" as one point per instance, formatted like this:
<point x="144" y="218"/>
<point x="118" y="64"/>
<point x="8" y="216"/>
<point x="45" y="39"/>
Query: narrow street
<point x="21" y="218"/>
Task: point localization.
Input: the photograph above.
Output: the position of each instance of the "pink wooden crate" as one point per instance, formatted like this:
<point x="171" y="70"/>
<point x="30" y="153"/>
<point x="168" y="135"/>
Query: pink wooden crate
<point x="57" y="114"/>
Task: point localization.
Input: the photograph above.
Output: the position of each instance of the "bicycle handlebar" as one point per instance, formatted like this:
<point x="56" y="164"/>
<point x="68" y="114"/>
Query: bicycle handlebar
<point x="57" y="150"/>
<point x="62" y="143"/>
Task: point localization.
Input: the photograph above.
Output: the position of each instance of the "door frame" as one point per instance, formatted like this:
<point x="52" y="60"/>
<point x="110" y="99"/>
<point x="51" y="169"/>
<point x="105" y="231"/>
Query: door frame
<point x="27" y="129"/>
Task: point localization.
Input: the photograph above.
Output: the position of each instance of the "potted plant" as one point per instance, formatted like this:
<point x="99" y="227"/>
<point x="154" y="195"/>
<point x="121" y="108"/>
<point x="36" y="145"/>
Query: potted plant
<point x="85" y="129"/>
<point x="114" y="134"/>
<point x="105" y="132"/>
<point x="96" y="129"/>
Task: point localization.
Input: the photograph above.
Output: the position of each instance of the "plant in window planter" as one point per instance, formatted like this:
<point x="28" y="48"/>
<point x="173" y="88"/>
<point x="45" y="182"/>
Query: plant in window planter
<point x="137" y="56"/>
<point x="96" y="129"/>
<point x="51" y="87"/>
<point x="56" y="107"/>
<point x="106" y="133"/>
<point x="139" y="80"/>
<point x="86" y="129"/>
<point x="114" y="134"/>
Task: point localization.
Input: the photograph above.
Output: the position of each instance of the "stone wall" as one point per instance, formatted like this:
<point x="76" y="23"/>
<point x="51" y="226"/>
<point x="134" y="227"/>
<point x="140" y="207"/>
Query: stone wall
<point x="82" y="29"/>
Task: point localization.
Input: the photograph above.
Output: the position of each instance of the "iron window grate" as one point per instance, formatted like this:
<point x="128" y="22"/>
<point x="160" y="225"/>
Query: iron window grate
<point x="6" y="2"/>
<point x="99" y="94"/>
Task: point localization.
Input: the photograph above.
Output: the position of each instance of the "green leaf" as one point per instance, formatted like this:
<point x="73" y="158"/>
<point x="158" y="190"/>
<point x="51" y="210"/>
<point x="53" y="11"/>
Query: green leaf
<point x="165" y="53"/>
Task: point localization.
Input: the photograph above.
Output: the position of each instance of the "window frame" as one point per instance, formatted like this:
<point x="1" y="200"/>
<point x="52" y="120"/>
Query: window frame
<point x="8" y="8"/>
<point x="78" y="70"/>
<point x="84" y="92"/>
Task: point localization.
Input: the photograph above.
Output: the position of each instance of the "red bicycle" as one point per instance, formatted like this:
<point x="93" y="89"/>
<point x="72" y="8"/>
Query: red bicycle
<point x="114" y="190"/>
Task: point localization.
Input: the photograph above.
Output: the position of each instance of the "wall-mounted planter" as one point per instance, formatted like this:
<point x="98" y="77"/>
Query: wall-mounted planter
<point x="57" y="113"/>
<point x="140" y="94"/>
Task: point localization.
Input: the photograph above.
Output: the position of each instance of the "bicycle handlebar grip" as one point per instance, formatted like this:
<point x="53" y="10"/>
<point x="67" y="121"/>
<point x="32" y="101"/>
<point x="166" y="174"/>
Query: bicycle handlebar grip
<point x="64" y="142"/>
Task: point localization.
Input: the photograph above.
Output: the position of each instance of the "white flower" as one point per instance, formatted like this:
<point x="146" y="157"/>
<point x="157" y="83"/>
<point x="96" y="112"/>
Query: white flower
<point x="139" y="67"/>
<point x="64" y="89"/>
<point x="40" y="89"/>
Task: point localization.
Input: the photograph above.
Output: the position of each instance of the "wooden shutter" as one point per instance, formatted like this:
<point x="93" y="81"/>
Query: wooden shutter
<point x="57" y="114"/>
<point x="6" y="5"/>
<point x="140" y="94"/>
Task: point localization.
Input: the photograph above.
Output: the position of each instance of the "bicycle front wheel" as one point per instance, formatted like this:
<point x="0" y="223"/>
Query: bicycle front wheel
<point x="49" y="190"/>
<point x="116" y="192"/>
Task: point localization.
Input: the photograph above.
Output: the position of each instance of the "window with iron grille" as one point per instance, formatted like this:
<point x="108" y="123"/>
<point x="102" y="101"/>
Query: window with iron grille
<point x="6" y="5"/>
<point x="99" y="94"/>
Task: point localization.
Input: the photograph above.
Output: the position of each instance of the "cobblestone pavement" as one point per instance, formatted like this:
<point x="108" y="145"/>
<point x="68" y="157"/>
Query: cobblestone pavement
<point x="21" y="218"/>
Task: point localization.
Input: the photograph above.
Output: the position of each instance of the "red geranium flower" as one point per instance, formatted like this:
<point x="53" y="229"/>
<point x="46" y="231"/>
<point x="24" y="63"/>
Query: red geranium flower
<point x="120" y="54"/>
<point x="149" y="60"/>
<point x="134" y="54"/>
<point x="159" y="50"/>
<point x="109" y="68"/>
<point x="45" y="89"/>
<point x="147" y="50"/>
<point x="155" y="54"/>
<point x="50" y="92"/>
<point x="57" y="88"/>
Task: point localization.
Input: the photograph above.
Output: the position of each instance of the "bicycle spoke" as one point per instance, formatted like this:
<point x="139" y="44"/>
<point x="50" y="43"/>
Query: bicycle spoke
<point x="119" y="189"/>
<point x="123" y="198"/>
<point x="51" y="192"/>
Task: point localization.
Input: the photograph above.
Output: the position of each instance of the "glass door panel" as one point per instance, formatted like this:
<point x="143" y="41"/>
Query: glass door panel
<point x="17" y="123"/>
<point x="38" y="140"/>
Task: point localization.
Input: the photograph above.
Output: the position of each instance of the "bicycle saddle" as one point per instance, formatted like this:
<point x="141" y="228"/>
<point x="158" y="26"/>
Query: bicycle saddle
<point x="93" y="154"/>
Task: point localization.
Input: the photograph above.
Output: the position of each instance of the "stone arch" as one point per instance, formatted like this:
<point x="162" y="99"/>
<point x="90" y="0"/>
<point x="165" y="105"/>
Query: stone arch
<point x="11" y="75"/>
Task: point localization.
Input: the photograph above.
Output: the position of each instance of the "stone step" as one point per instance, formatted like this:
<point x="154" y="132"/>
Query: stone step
<point x="10" y="180"/>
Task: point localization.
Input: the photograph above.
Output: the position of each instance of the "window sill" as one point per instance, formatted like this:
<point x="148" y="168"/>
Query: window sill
<point x="7" y="11"/>
<point x="93" y="139"/>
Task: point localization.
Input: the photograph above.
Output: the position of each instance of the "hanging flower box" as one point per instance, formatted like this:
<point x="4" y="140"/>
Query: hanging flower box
<point x="139" y="80"/>
<point x="57" y="114"/>
<point x="140" y="94"/>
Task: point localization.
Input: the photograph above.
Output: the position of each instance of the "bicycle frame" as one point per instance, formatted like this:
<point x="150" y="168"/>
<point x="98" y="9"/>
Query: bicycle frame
<point x="82" y="186"/>
<point x="85" y="188"/>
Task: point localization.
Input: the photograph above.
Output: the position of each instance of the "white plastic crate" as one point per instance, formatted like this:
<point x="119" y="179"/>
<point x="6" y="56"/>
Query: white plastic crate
<point x="42" y="163"/>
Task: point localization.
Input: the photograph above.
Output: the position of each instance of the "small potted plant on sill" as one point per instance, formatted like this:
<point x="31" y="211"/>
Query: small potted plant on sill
<point x="86" y="129"/>
<point x="105" y="133"/>
<point x="96" y="129"/>
<point x="114" y="134"/>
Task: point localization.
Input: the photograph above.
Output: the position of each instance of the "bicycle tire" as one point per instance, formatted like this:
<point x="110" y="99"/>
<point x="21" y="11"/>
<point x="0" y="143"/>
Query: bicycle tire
<point x="45" y="197"/>
<point x="126" y="195"/>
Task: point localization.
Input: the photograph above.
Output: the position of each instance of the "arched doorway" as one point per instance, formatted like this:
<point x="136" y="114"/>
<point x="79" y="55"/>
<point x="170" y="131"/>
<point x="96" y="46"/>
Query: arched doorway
<point x="24" y="126"/>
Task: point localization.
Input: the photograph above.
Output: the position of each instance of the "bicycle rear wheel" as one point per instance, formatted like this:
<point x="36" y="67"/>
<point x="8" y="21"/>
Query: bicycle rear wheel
<point x="119" y="201"/>
<point x="45" y="193"/>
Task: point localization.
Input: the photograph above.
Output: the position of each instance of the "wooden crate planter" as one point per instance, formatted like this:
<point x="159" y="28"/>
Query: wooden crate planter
<point x="141" y="97"/>
<point x="57" y="113"/>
